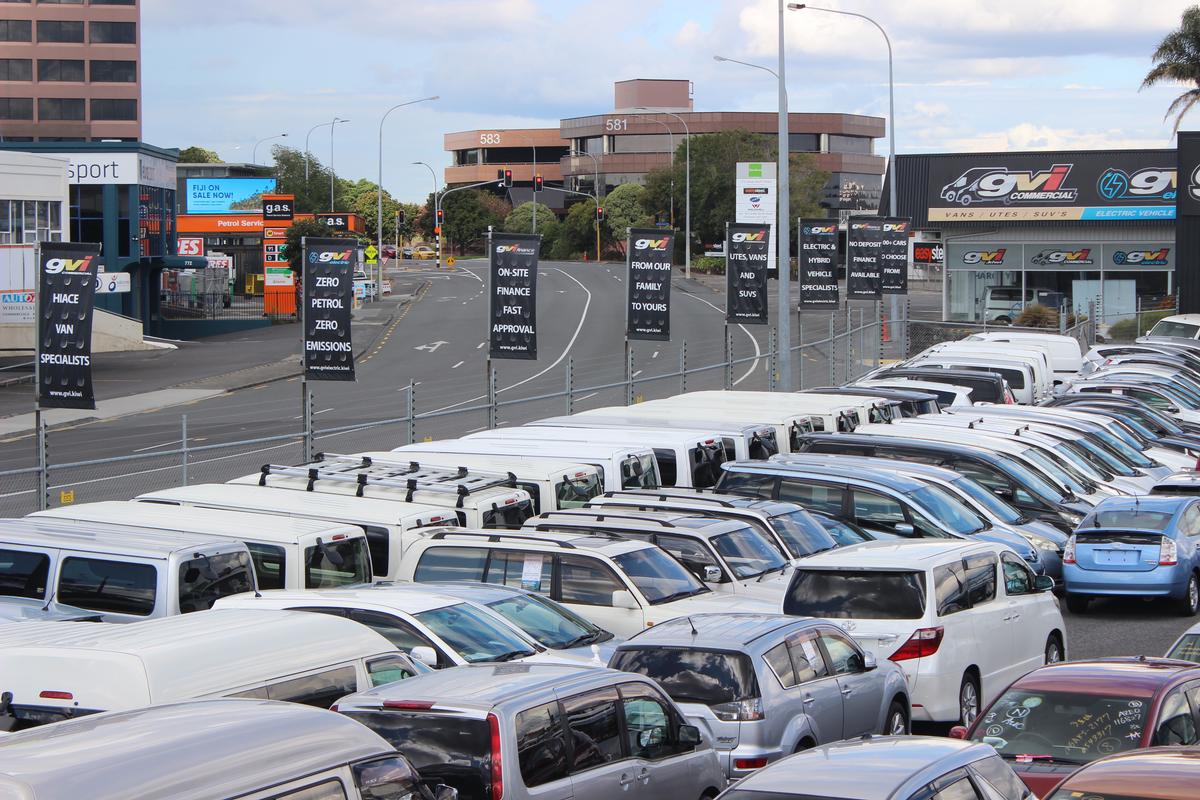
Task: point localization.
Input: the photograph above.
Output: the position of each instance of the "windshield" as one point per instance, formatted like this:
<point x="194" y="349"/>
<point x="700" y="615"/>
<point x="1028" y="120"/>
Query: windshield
<point x="474" y="635"/>
<point x="1179" y="330"/>
<point x="1052" y="469"/>
<point x="1137" y="518"/>
<point x="1031" y="481"/>
<point x="947" y="509"/>
<point x="1070" y="727"/>
<point x="802" y="534"/>
<point x="574" y="492"/>
<point x="856" y="594"/>
<point x="843" y="532"/>
<point x="1187" y="648"/>
<point x="1111" y="460"/>
<point x="328" y="564"/>
<point x="547" y="622"/>
<point x="512" y="515"/>
<point x="997" y="507"/>
<point x="640" y="472"/>
<point x="1127" y="451"/>
<point x="1075" y="464"/>
<point x="657" y="576"/>
<point x="1084" y="461"/>
<point x="690" y="675"/>
<point x="748" y="553"/>
<point x="205" y="579"/>
<point x="443" y="748"/>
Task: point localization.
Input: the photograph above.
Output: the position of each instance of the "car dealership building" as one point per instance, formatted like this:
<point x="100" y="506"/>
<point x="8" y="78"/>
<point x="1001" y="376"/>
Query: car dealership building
<point x="1054" y="227"/>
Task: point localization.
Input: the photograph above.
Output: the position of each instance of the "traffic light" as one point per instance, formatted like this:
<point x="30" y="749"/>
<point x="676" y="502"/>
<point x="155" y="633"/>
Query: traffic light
<point x="507" y="177"/>
<point x="599" y="213"/>
<point x="441" y="215"/>
<point x="537" y="183"/>
<point x="400" y="217"/>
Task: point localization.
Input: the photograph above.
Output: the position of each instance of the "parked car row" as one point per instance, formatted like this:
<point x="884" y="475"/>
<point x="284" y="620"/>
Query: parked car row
<point x="721" y="587"/>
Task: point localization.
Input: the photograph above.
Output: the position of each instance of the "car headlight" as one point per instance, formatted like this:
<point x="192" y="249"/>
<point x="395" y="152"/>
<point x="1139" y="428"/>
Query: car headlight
<point x="1070" y="517"/>
<point x="1043" y="544"/>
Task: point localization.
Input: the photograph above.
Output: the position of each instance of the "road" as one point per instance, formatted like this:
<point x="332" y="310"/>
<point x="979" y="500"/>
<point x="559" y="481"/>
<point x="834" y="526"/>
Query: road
<point x="438" y="343"/>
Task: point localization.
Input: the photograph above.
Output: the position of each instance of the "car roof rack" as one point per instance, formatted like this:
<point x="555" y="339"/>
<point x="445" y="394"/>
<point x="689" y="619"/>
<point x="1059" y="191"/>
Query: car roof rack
<point x="598" y="515"/>
<point x="500" y="536"/>
<point x="663" y="497"/>
<point x="410" y="476"/>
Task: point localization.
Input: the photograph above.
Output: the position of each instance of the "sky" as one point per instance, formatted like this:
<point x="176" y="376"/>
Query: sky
<point x="970" y="75"/>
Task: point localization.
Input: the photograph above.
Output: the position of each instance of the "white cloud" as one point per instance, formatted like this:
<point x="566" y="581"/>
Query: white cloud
<point x="1030" y="136"/>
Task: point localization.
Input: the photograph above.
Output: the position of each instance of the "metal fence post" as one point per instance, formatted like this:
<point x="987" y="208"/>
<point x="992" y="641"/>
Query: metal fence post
<point x="772" y="359"/>
<point x="1062" y="318"/>
<point x="491" y="391"/>
<point x="787" y="351"/>
<point x="412" y="413"/>
<point x="879" y="331"/>
<point x="570" y="387"/>
<point x="308" y="427"/>
<point x="628" y="376"/>
<point x="43" y="466"/>
<point x="728" y="358"/>
<point x="1091" y="327"/>
<point x="183" y="437"/>
<point x="682" y="367"/>
<point x="832" y="350"/>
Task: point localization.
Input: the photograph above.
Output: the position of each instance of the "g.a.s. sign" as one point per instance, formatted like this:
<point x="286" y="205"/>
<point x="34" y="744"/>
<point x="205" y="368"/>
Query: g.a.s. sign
<point x="1078" y="185"/>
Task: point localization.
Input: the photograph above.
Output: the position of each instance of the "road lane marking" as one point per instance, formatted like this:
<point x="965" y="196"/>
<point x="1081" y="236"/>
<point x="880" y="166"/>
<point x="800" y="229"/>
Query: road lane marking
<point x="585" y="397"/>
<point x="757" y="349"/>
<point x="459" y="364"/>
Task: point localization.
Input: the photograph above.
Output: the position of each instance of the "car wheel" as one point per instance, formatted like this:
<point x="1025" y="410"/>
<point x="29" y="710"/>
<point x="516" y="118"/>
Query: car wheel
<point x="803" y="744"/>
<point x="968" y="700"/>
<point x="1002" y="320"/>
<point x="1190" y="602"/>
<point x="897" y="720"/>
<point x="1054" y="649"/>
<point x="1077" y="603"/>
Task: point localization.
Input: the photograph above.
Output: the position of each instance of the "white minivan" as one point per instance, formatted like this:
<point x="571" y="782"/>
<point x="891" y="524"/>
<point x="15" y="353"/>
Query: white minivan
<point x="788" y="428"/>
<point x="1066" y="357"/>
<point x="60" y="670"/>
<point x="288" y="552"/>
<point x="1020" y="375"/>
<point x="963" y="619"/>
<point x="123" y="573"/>
<point x="756" y="441"/>
<point x="385" y="523"/>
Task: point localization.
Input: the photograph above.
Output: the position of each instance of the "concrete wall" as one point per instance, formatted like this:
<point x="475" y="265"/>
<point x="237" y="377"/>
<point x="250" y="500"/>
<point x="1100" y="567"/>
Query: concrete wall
<point x="111" y="333"/>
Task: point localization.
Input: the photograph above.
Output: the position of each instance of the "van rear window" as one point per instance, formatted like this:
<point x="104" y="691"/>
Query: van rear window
<point x="330" y="564"/>
<point x="116" y="587"/>
<point x="575" y="492"/>
<point x="204" y="580"/>
<point x="510" y="516"/>
<point x="856" y="594"/>
<point x="444" y="748"/>
<point x="23" y="574"/>
<point x="691" y="675"/>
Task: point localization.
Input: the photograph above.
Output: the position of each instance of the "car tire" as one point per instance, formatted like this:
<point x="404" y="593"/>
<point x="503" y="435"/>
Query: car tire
<point x="1077" y="603"/>
<point x="1055" y="653"/>
<point x="968" y="700"/>
<point x="896" y="722"/>
<point x="1002" y="320"/>
<point x="1189" y="604"/>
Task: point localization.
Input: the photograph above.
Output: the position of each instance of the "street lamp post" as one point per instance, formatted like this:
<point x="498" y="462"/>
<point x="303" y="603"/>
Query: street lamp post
<point x="254" y="158"/>
<point x="687" y="185"/>
<point x="892" y="209"/>
<point x="782" y="221"/>
<point x="596" y="189"/>
<point x="436" y="205"/>
<point x="335" y="121"/>
<point x="379" y="192"/>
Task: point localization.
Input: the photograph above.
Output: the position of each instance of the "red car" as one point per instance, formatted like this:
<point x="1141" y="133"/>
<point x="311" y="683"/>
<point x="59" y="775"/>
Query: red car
<point x="1157" y="773"/>
<point x="1059" y="717"/>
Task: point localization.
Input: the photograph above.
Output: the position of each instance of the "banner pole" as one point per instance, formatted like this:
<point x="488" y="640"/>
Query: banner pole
<point x="39" y="426"/>
<point x="628" y="372"/>
<point x="728" y="346"/>
<point x="304" y="400"/>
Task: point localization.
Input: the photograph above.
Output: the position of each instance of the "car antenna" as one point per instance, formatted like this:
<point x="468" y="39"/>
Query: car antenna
<point x="692" y="625"/>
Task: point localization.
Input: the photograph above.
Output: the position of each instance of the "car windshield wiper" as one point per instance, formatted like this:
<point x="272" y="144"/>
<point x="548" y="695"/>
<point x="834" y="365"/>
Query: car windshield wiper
<point x="676" y="596"/>
<point x="512" y="655"/>
<point x="1033" y="758"/>
<point x="579" y="641"/>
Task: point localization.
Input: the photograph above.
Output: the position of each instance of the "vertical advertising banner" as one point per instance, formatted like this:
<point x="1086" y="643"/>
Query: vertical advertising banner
<point x="818" y="249"/>
<point x="648" y="312"/>
<point x="328" y="295"/>
<point x="747" y="249"/>
<point x="66" y="291"/>
<point x="863" y="281"/>
<point x="1187" y="226"/>
<point x="756" y="183"/>
<point x="893" y="255"/>
<point x="512" y="285"/>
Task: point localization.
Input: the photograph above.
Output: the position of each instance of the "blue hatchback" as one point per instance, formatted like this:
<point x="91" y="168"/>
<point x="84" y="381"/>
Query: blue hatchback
<point x="1136" y="547"/>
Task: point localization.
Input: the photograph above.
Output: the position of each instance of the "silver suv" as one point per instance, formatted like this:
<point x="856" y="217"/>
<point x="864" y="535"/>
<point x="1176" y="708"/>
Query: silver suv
<point x="767" y="685"/>
<point x="517" y="731"/>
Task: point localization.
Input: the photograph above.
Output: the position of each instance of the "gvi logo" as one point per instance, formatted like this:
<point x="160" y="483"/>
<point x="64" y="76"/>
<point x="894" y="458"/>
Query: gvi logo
<point x="1148" y="258"/>
<point x="818" y="230"/>
<point x="757" y="236"/>
<point x="506" y="248"/>
<point x="1194" y="184"/>
<point x="1063" y="257"/>
<point x="1151" y="183"/>
<point x="984" y="256"/>
<point x="56" y="265"/>
<point x="334" y="257"/>
<point x="651" y="244"/>
<point x="895" y="227"/>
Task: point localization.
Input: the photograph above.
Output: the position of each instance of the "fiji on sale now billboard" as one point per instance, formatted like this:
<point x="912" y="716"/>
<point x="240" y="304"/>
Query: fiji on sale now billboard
<point x="226" y="195"/>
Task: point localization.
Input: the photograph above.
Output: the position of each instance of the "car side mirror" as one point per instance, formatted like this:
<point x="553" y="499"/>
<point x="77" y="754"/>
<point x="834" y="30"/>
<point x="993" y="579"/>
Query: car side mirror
<point x="624" y="599"/>
<point x="869" y="662"/>
<point x="689" y="735"/>
<point x="712" y="574"/>
<point x="425" y="655"/>
<point x="958" y="732"/>
<point x="1043" y="583"/>
<point x="904" y="529"/>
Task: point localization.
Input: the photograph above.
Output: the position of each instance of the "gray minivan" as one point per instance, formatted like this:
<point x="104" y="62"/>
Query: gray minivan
<point x="518" y="731"/>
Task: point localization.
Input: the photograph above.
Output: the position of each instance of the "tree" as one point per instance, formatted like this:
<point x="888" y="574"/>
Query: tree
<point x="623" y="209"/>
<point x="312" y="195"/>
<point x="468" y="215"/>
<point x="296" y="231"/>
<point x="198" y="155"/>
<point x="520" y="220"/>
<point x="578" y="231"/>
<point x="1177" y="60"/>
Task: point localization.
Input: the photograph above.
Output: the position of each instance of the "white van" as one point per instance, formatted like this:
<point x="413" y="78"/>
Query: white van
<point x="685" y="457"/>
<point x="551" y="484"/>
<point x="741" y="442"/>
<point x="1037" y="359"/>
<point x="59" y="670"/>
<point x="867" y="409"/>
<point x="1003" y="303"/>
<point x="1066" y="356"/>
<point x="1019" y="373"/>
<point x="949" y="395"/>
<point x="840" y="414"/>
<point x="121" y="572"/>
<point x="790" y="423"/>
<point x="383" y="521"/>
<point x="621" y="467"/>
<point x="485" y="500"/>
<point x="787" y="428"/>
<point x="288" y="553"/>
<point x="208" y="749"/>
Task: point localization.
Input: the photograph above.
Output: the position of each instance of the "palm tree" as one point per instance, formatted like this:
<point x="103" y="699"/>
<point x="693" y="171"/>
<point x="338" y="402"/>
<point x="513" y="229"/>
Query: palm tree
<point x="1177" y="59"/>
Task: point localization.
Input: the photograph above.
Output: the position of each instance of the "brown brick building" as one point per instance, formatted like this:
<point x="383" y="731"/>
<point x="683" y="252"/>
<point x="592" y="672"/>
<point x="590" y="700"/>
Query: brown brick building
<point x="70" y="70"/>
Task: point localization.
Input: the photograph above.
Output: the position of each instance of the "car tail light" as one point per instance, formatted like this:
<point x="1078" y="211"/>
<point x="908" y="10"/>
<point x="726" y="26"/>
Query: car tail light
<point x="1168" y="553"/>
<point x="53" y="695"/>
<point x="923" y="642"/>
<point x="749" y="763"/>
<point x="1069" y="551"/>
<point x="497" y="764"/>
<point x="739" y="710"/>
<point x="408" y="705"/>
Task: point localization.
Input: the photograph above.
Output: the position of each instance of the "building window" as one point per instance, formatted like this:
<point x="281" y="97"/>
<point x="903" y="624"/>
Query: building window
<point x="849" y="144"/>
<point x="643" y="143"/>
<point x="114" y="110"/>
<point x="16" y="69"/>
<point x="114" y="72"/>
<point x="60" y="108"/>
<point x="60" y="31"/>
<point x="591" y="144"/>
<point x="60" y="2"/>
<point x="28" y="221"/>
<point x="114" y="2"/>
<point x="16" y="108"/>
<point x="60" y="69"/>
<point x="113" y="33"/>
<point x="804" y="142"/>
<point x="16" y="30"/>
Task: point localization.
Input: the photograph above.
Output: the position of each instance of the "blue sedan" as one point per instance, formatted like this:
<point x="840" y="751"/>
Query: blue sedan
<point x="1136" y="547"/>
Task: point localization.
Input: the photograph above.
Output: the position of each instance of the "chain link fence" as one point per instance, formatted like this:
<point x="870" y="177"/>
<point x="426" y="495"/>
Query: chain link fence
<point x="923" y="334"/>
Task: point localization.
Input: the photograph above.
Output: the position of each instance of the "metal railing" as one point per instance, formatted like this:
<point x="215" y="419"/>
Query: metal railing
<point x="209" y="305"/>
